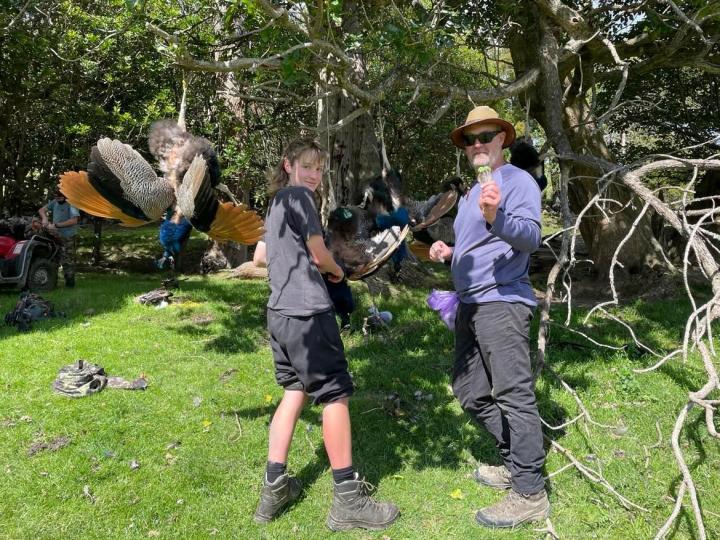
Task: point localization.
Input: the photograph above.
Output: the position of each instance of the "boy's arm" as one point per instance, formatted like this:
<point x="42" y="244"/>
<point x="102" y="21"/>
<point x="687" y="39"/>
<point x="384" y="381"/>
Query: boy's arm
<point x="260" y="255"/>
<point x="304" y="219"/>
<point x="323" y="259"/>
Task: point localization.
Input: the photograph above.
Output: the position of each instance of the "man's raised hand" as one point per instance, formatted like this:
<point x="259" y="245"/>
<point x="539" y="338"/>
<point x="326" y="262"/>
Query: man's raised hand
<point x="489" y="202"/>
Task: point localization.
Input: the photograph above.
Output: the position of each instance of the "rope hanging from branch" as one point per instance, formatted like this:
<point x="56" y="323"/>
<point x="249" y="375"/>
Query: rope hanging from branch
<point x="381" y="135"/>
<point x="183" y="102"/>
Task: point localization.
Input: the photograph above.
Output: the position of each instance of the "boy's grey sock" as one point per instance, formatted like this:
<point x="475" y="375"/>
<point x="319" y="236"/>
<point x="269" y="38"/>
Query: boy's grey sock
<point x="344" y="474"/>
<point x="274" y="470"/>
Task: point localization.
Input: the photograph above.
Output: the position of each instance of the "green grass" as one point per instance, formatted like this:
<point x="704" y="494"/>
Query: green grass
<point x="551" y="223"/>
<point x="133" y="248"/>
<point x="200" y="438"/>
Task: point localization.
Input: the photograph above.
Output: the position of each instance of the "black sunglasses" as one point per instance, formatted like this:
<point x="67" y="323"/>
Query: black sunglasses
<point x="484" y="137"/>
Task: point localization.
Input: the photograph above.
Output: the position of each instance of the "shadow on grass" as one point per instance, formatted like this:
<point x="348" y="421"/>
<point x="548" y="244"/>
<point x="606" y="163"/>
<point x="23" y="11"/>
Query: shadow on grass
<point x="693" y="431"/>
<point x="656" y="324"/>
<point x="242" y="323"/>
<point x="93" y="295"/>
<point x="241" y="305"/>
<point x="403" y="412"/>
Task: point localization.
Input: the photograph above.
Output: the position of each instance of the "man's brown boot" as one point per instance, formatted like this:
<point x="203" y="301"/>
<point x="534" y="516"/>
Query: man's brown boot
<point x="514" y="510"/>
<point x="493" y="476"/>
<point x="353" y="508"/>
<point x="274" y="497"/>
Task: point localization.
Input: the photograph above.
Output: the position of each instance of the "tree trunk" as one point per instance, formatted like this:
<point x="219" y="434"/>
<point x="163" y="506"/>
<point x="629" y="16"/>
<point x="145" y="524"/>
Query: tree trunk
<point x="559" y="103"/>
<point x="235" y="253"/>
<point x="354" y="152"/>
<point x="354" y="156"/>
<point x="228" y="90"/>
<point x="603" y="231"/>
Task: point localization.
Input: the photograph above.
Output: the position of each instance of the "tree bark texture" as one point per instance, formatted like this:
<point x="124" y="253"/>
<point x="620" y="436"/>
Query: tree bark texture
<point x="559" y="103"/>
<point x="354" y="151"/>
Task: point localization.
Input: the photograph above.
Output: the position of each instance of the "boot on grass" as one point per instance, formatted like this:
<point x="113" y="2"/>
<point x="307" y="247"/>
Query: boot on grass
<point x="276" y="496"/>
<point x="353" y="508"/>
<point x="493" y="476"/>
<point x="514" y="510"/>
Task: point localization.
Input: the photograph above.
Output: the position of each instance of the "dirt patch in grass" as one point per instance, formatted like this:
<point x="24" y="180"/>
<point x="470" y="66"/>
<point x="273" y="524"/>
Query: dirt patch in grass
<point x="202" y="319"/>
<point x="51" y="446"/>
<point x="588" y="289"/>
<point x="225" y="377"/>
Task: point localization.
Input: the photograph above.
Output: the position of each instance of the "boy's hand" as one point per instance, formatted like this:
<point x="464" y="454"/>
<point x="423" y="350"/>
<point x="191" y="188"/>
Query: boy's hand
<point x="337" y="275"/>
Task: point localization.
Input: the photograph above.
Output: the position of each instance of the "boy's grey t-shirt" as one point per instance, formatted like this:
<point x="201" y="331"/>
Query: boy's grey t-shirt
<point x="296" y="285"/>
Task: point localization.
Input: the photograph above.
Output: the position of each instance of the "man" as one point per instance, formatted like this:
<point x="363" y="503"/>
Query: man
<point x="64" y="224"/>
<point x="496" y="230"/>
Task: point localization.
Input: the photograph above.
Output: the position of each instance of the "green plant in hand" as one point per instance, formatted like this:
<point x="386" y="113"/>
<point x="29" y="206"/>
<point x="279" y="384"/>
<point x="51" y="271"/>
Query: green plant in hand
<point x="483" y="174"/>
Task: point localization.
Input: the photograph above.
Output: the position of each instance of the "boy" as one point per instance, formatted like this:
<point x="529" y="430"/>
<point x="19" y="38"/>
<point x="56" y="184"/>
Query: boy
<point x="307" y="349"/>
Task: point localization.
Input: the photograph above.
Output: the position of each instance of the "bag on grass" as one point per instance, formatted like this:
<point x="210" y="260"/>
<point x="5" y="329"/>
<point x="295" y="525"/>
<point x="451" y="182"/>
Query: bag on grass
<point x="446" y="304"/>
<point x="83" y="378"/>
<point x="28" y="309"/>
<point x="80" y="379"/>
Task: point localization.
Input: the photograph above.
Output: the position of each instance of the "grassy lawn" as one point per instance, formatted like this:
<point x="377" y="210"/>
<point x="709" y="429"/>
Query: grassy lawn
<point x="134" y="249"/>
<point x="199" y="432"/>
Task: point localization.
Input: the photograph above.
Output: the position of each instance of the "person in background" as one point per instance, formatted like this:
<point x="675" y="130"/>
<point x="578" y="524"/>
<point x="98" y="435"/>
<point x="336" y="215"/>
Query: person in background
<point x="62" y="221"/>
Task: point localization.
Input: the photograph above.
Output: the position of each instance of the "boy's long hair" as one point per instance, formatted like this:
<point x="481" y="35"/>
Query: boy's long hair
<point x="277" y="177"/>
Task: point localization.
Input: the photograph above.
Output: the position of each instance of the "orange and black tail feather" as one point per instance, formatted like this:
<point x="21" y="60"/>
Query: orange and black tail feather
<point x="222" y="221"/>
<point x="81" y="194"/>
<point x="236" y="223"/>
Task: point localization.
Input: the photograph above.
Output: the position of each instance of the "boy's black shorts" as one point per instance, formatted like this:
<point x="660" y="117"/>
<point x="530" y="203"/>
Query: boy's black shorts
<point x="309" y="355"/>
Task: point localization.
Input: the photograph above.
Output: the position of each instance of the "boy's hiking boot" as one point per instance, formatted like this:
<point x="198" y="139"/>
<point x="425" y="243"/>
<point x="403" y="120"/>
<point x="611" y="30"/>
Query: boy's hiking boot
<point x="353" y="508"/>
<point x="493" y="476"/>
<point x="274" y="497"/>
<point x="514" y="510"/>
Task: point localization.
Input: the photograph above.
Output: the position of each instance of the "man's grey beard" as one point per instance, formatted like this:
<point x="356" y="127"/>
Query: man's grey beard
<point x="485" y="160"/>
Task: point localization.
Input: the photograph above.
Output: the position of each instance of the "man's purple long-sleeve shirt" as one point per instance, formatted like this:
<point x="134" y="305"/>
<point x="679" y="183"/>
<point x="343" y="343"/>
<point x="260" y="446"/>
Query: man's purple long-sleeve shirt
<point x="490" y="262"/>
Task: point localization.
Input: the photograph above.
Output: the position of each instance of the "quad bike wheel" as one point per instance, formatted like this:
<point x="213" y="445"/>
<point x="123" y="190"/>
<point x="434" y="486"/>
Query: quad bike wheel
<point x="42" y="275"/>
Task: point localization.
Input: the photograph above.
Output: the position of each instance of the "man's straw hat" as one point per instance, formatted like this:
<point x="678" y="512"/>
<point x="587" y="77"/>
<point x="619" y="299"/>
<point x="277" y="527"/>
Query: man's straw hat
<point x="479" y="116"/>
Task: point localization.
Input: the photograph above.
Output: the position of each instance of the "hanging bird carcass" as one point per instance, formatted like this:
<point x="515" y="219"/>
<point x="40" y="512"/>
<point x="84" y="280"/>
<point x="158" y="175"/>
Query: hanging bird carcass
<point x="357" y="244"/>
<point x="119" y="184"/>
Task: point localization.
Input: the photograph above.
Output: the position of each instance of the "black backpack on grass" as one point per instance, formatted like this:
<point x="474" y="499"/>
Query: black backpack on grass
<point x="31" y="307"/>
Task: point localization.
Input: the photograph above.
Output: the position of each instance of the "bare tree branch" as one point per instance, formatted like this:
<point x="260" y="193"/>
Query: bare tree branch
<point x="595" y="477"/>
<point x="20" y="13"/>
<point x="690" y="22"/>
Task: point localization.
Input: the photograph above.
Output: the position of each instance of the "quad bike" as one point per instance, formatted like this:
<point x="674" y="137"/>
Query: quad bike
<point x="30" y="264"/>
